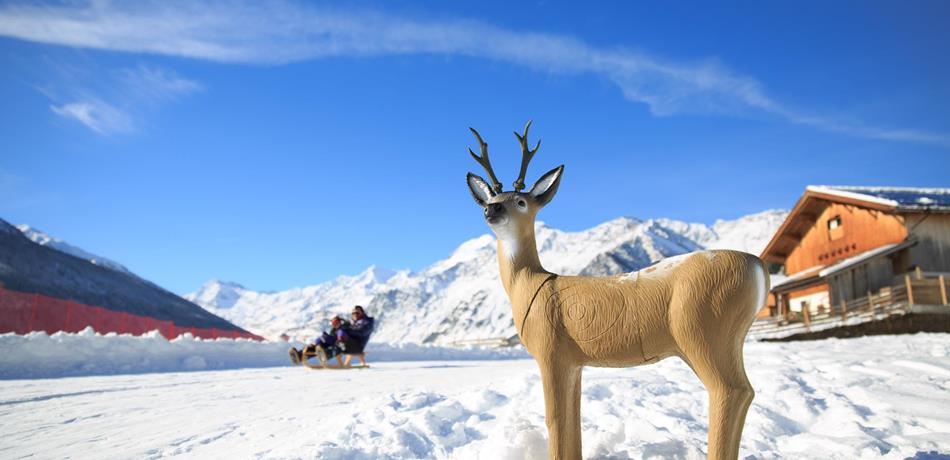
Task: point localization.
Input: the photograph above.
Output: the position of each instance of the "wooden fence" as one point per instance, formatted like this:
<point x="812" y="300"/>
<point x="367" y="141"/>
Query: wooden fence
<point x="899" y="299"/>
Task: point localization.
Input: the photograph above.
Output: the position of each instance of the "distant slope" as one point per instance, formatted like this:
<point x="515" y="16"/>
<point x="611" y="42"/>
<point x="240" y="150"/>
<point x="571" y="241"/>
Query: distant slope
<point x="41" y="238"/>
<point x="26" y="266"/>
<point x="461" y="297"/>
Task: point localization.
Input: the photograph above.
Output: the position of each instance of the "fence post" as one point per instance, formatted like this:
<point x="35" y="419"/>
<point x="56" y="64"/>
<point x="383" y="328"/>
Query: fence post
<point x="806" y="315"/>
<point x="910" y="290"/>
<point x="871" y="303"/>
<point x="844" y="310"/>
<point x="943" y="289"/>
<point x="919" y="273"/>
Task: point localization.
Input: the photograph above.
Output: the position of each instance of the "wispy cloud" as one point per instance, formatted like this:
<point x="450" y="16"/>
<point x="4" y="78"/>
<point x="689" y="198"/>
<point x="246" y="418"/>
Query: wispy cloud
<point x="96" y="115"/>
<point x="118" y="100"/>
<point x="282" y="32"/>
<point x="151" y="84"/>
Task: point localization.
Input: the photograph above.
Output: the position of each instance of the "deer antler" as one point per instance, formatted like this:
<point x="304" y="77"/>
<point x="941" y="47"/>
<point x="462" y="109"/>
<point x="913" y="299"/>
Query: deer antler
<point x="526" y="155"/>
<point x="483" y="160"/>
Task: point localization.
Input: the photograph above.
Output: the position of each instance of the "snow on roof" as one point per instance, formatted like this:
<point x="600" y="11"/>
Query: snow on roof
<point x="903" y="198"/>
<point x="864" y="256"/>
<point x="806" y="273"/>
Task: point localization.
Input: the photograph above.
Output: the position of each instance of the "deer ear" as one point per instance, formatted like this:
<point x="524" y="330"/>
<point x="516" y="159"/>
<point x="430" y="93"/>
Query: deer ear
<point x="544" y="189"/>
<point x="481" y="192"/>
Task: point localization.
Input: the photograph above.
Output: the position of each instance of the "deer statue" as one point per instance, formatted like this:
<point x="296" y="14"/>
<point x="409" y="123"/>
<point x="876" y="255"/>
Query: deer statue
<point x="696" y="306"/>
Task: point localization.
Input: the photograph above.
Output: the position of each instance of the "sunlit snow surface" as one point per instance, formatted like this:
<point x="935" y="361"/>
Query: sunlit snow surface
<point x="875" y="397"/>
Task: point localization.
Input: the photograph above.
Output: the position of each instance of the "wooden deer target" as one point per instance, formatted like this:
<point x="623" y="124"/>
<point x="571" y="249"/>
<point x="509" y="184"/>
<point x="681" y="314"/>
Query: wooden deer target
<point x="697" y="307"/>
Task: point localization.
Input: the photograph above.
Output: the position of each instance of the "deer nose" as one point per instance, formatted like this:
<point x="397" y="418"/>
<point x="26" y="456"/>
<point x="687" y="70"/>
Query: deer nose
<point x="493" y="209"/>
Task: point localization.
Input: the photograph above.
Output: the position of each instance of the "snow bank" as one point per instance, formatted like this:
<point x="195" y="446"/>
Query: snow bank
<point x="39" y="355"/>
<point x="412" y="352"/>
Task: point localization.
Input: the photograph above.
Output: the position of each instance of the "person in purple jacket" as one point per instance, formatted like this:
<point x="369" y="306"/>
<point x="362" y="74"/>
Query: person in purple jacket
<point x="326" y="346"/>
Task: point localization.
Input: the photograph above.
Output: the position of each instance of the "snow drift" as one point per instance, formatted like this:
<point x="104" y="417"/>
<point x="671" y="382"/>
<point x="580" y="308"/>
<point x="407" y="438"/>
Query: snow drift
<point x="40" y="355"/>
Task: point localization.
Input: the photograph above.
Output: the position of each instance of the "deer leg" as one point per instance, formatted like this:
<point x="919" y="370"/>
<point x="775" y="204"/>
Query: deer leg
<point x="728" y="417"/>
<point x="562" y="403"/>
<point x="730" y="395"/>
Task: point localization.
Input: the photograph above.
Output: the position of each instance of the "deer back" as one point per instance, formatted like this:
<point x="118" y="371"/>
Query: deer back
<point x="626" y="320"/>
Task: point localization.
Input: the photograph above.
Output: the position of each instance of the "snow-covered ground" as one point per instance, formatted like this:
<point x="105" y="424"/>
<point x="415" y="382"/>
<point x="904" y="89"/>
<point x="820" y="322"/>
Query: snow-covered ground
<point x="873" y="397"/>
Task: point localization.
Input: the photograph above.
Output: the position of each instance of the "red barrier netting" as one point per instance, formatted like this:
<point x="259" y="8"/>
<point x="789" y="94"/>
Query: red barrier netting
<point x="204" y="333"/>
<point x="109" y="321"/>
<point x="168" y="329"/>
<point x="49" y="315"/>
<point x="22" y="313"/>
<point x="16" y="310"/>
<point x="138" y="325"/>
<point x="79" y="317"/>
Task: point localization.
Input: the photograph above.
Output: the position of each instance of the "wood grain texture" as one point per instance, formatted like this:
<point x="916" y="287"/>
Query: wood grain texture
<point x="861" y="230"/>
<point x="697" y="307"/>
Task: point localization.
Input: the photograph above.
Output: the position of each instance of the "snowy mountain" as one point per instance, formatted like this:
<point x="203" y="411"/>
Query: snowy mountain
<point x="461" y="298"/>
<point x="41" y="238"/>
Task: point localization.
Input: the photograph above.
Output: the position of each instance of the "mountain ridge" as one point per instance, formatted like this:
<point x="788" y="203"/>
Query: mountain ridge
<point x="460" y="297"/>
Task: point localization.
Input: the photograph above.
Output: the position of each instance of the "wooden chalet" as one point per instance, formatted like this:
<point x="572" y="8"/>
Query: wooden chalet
<point x="848" y="250"/>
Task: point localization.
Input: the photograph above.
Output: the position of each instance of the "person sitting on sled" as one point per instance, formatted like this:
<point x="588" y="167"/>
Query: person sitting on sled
<point x="325" y="347"/>
<point x="353" y="337"/>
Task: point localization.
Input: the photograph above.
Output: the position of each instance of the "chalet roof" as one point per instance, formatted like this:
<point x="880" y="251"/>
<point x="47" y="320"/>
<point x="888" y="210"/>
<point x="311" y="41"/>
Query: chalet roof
<point x="805" y="277"/>
<point x="818" y="197"/>
<point x="901" y="198"/>
<point x="818" y="274"/>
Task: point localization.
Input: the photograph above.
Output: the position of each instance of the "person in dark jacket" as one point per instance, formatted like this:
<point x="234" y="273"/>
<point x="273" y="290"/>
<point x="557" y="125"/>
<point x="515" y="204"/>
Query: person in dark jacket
<point x="326" y="346"/>
<point x="353" y="338"/>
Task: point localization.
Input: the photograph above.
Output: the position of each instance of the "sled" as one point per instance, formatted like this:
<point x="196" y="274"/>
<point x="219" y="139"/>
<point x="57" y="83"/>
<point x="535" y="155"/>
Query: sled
<point x="331" y="367"/>
<point x="340" y="363"/>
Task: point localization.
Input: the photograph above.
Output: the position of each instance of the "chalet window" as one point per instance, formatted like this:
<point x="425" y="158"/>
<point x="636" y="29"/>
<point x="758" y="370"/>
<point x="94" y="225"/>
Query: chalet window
<point x="834" y="222"/>
<point x="835" y="230"/>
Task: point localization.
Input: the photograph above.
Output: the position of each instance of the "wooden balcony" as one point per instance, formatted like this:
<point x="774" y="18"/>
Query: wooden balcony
<point x="920" y="292"/>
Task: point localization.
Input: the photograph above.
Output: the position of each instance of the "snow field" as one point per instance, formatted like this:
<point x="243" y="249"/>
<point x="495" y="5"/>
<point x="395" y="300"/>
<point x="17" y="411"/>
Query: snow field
<point x="873" y="397"/>
<point x="835" y="399"/>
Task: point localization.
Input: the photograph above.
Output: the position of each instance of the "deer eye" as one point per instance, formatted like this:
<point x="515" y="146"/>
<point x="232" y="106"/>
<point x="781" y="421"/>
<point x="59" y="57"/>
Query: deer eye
<point x="522" y="203"/>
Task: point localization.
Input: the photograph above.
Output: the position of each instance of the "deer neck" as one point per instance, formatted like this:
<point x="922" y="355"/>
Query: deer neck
<point x="519" y="266"/>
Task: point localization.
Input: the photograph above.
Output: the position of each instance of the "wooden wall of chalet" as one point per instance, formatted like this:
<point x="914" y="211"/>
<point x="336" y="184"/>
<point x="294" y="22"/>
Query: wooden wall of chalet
<point x="932" y="251"/>
<point x="858" y="281"/>
<point x="861" y="230"/>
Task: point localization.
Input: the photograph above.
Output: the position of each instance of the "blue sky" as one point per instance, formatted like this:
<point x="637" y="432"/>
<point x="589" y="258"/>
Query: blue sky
<point x="283" y="145"/>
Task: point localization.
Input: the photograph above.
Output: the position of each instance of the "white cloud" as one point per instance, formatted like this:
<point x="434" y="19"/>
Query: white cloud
<point x="113" y="101"/>
<point x="96" y="115"/>
<point x="155" y="84"/>
<point x="282" y="32"/>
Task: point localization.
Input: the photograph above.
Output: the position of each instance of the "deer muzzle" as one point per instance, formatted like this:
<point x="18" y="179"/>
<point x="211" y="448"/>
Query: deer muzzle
<point x="495" y="213"/>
